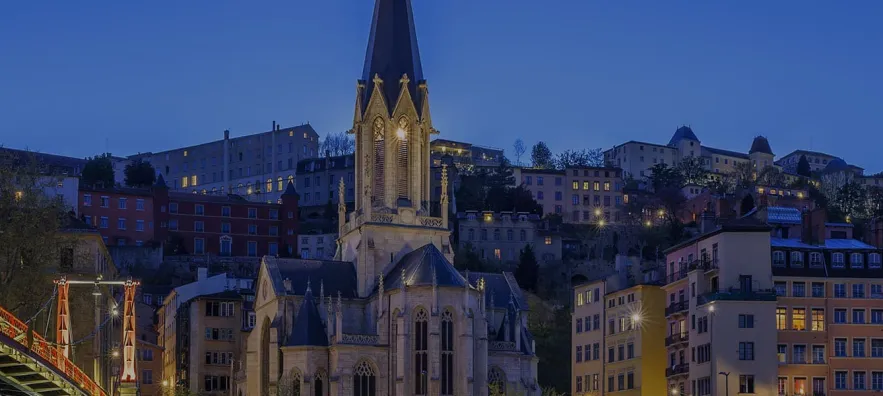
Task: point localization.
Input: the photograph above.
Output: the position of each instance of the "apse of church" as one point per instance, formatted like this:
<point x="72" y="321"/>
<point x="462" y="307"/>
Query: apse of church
<point x="390" y="315"/>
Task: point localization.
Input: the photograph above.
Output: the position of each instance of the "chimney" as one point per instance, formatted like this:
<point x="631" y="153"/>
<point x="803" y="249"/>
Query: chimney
<point x="226" y="134"/>
<point x="201" y="273"/>
<point x="274" y="126"/>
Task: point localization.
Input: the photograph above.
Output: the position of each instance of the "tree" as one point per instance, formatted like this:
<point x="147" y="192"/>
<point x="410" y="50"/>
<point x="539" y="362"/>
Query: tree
<point x="541" y="156"/>
<point x="140" y="173"/>
<point x="743" y="176"/>
<point x="803" y="168"/>
<point x="519" y="151"/>
<point x="747" y="204"/>
<point x="466" y="258"/>
<point x="501" y="176"/>
<point x="661" y="176"/>
<point x="579" y="159"/>
<point x="98" y="171"/>
<point x="551" y="329"/>
<point x="851" y="200"/>
<point x="528" y="269"/>
<point x="771" y="176"/>
<point x="692" y="171"/>
<point x="336" y="144"/>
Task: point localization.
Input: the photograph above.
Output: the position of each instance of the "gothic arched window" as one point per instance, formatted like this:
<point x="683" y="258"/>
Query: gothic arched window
<point x="447" y="354"/>
<point x="269" y="185"/>
<point x="319" y="383"/>
<point x="402" y="163"/>
<point x="496" y="381"/>
<point x="279" y="185"/>
<point x="364" y="380"/>
<point x="421" y="348"/>
<point x="379" y="160"/>
<point x="293" y="383"/>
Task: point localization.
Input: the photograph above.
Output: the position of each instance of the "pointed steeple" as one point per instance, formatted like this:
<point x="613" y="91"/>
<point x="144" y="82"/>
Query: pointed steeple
<point x="392" y="53"/>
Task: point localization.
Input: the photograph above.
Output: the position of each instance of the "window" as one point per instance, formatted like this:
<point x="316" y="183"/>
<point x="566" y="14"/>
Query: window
<point x="579" y="322"/>
<point x="225" y="211"/>
<point x="746" y="321"/>
<point x="214" y="383"/>
<point x="447" y="352"/>
<point x="746" y="351"/>
<point x="611" y="355"/>
<point x="139" y="225"/>
<point x="779" y="258"/>
<point x="122" y="203"/>
<point x="781" y="288"/>
<point x="146" y="377"/>
<point x="548" y="240"/>
<point x="877" y="348"/>
<point x="539" y="195"/>
<point x="874" y="261"/>
<point x="610" y="384"/>
<point x="252" y="248"/>
<point x="797" y="259"/>
<point x="856" y="261"/>
<point x="837" y="260"/>
<point x="597" y="186"/>
<point x="87" y="199"/>
<point x="798" y="289"/>
<point x="219" y="308"/>
<point x="818" y="354"/>
<point x="839" y="290"/>
<point x="858" y="380"/>
<point x="818" y="289"/>
<point x="858" y="316"/>
<point x="858" y="290"/>
<point x="798" y="319"/>
<point x="173" y="207"/>
<point x="799" y="354"/>
<point x="746" y="384"/>
<point x="579" y="353"/>
<point x="252" y="229"/>
<point x="799" y="386"/>
<point x="421" y="349"/>
<point x="818" y="319"/>
<point x="782" y="353"/>
<point x="105" y="202"/>
<point x="630" y="351"/>
<point x="840" y="380"/>
<point x="198" y="246"/>
<point x="198" y="226"/>
<point x="858" y="347"/>
<point x="877" y="316"/>
<point x="173" y="224"/>
<point x="199" y="210"/>
<point x="225" y="228"/>
<point x="877" y="380"/>
<point x="876" y="290"/>
<point x="252" y="213"/>
<point x="539" y="180"/>
<point x="121" y="223"/>
<point x="815" y="260"/>
<point x="226" y="246"/>
<point x="840" y="347"/>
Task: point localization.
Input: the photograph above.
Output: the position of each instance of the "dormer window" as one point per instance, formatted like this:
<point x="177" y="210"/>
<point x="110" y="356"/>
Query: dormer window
<point x="874" y="260"/>
<point x="815" y="260"/>
<point x="778" y="259"/>
<point x="837" y="260"/>
<point x="797" y="259"/>
<point x="856" y="260"/>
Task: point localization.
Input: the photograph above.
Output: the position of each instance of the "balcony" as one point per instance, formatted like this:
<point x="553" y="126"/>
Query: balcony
<point x="737" y="294"/>
<point x="677" y="307"/>
<point x="680" y="369"/>
<point x="676" y="276"/>
<point x="677" y="339"/>
<point x="705" y="264"/>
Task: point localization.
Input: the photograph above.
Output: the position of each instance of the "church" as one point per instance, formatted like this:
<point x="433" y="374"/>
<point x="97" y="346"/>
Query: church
<point x="390" y="315"/>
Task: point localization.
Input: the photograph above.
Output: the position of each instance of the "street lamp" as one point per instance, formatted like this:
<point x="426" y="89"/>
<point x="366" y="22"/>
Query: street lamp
<point x="674" y="391"/>
<point x="726" y="381"/>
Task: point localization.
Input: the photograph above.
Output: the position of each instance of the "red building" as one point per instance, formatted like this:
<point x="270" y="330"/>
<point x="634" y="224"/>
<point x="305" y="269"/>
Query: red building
<point x="193" y="223"/>
<point x="123" y="216"/>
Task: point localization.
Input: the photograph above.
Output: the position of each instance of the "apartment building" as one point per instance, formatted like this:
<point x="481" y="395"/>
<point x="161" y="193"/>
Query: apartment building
<point x="465" y="154"/>
<point x="500" y="236"/>
<point x="123" y="216"/>
<point x="720" y="311"/>
<point x="817" y="160"/>
<point x="254" y="166"/>
<point x="202" y="326"/>
<point x="617" y="344"/>
<point x="318" y="180"/>
<point x="546" y="185"/>
<point x="593" y="195"/>
<point x="149" y="364"/>
<point x="830" y="307"/>
<point x="636" y="158"/>
<point x="317" y="246"/>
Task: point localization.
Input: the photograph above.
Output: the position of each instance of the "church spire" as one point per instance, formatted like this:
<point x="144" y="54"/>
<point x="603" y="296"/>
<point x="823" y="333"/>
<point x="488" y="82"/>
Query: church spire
<point x="392" y="53"/>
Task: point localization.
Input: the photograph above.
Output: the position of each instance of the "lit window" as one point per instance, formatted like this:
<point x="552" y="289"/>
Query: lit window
<point x="606" y="186"/>
<point x="193" y="180"/>
<point x="576" y="185"/>
<point x="497" y="254"/>
<point x="548" y="240"/>
<point x="185" y="153"/>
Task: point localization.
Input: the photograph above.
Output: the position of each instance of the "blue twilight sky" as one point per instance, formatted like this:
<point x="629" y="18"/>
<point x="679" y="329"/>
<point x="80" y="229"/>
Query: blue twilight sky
<point x="78" y="78"/>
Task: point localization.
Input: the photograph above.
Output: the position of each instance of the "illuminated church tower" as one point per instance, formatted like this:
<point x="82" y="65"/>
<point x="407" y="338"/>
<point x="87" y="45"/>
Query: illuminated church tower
<point x="392" y="128"/>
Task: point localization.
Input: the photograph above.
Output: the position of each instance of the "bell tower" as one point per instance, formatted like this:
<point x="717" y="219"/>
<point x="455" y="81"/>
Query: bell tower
<point x="392" y="127"/>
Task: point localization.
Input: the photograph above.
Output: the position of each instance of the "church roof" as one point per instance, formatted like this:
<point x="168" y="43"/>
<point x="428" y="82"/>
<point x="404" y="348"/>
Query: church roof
<point x="499" y="288"/>
<point x="334" y="276"/>
<point x="392" y="52"/>
<point x="308" y="328"/>
<point x="290" y="190"/>
<point x="683" y="132"/>
<point x="420" y="266"/>
<point x="760" y="145"/>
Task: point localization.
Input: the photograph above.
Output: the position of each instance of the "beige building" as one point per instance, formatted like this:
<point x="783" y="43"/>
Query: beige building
<point x="150" y="367"/>
<point x="546" y="185"/>
<point x="617" y="343"/>
<point x="720" y="311"/>
<point x="580" y="195"/>
<point x="500" y="237"/>
<point x="256" y="166"/>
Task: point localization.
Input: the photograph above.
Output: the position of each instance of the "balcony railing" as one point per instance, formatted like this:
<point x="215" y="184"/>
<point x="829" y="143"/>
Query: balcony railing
<point x="677" y="370"/>
<point x="676" y="276"/>
<point x="737" y="294"/>
<point x="676" y="307"/>
<point x="677" y="338"/>
<point x="705" y="264"/>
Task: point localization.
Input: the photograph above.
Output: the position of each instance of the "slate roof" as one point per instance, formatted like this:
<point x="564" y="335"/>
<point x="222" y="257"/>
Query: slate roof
<point x="392" y="52"/>
<point x="420" y="266"/>
<point x="684" y="132"/>
<point x="834" y="244"/>
<point x="728" y="153"/>
<point x="334" y="276"/>
<point x="54" y="164"/>
<point x="308" y="328"/>
<point x="501" y="287"/>
<point x="760" y="145"/>
<point x="782" y="215"/>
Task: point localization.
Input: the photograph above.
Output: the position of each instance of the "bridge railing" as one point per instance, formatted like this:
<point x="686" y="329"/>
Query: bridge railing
<point x="16" y="329"/>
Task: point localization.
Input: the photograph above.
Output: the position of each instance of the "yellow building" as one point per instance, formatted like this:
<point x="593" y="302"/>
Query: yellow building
<point x="618" y="337"/>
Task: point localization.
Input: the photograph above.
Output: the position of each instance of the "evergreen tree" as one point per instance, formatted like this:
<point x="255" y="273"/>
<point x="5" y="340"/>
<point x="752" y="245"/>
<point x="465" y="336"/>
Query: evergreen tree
<point x="466" y="258"/>
<point x="140" y="173"/>
<point x="98" y="171"/>
<point x="528" y="269"/>
<point x="803" y="168"/>
<point x="541" y="156"/>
